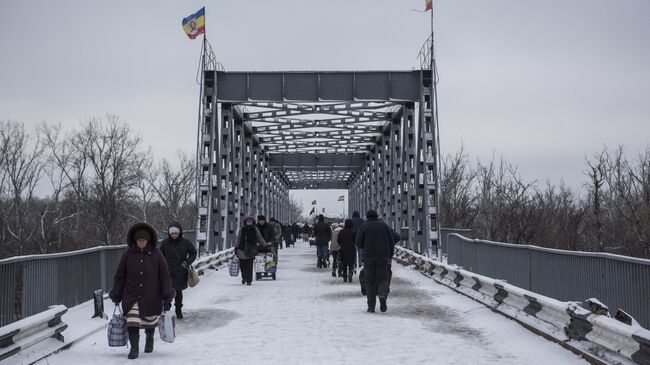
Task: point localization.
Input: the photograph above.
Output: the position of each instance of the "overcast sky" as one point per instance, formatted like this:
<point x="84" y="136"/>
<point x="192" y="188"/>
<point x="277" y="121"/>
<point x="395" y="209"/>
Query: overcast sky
<point x="543" y="83"/>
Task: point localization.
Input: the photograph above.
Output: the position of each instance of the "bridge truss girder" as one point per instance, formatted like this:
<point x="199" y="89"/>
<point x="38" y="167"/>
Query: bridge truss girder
<point x="252" y="152"/>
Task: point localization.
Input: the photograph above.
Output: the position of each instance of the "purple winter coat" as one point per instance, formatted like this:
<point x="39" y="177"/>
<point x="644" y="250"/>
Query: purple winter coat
<point x="142" y="276"/>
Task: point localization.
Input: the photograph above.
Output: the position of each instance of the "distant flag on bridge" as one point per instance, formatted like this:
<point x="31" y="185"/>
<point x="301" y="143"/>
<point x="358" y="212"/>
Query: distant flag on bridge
<point x="194" y="24"/>
<point x="313" y="203"/>
<point x="428" y="5"/>
<point x="341" y="198"/>
<point x="313" y="210"/>
<point x="323" y="210"/>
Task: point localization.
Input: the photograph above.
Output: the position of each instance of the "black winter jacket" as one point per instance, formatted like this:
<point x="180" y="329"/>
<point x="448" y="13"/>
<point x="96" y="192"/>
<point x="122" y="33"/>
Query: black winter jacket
<point x="176" y="252"/>
<point x="323" y="233"/>
<point x="268" y="232"/>
<point x="348" y="252"/>
<point x="376" y="239"/>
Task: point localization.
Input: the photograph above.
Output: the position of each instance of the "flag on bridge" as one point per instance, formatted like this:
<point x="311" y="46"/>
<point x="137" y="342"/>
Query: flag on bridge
<point x="313" y="210"/>
<point x="323" y="210"/>
<point x="428" y="5"/>
<point x="313" y="203"/>
<point x="341" y="198"/>
<point x="194" y="24"/>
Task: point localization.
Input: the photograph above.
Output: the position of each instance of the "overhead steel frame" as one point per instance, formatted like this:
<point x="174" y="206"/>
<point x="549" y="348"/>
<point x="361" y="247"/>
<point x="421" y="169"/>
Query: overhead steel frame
<point x="265" y="133"/>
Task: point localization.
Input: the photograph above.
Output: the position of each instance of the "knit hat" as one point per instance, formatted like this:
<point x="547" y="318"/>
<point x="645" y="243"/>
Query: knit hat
<point x="142" y="235"/>
<point x="174" y="230"/>
<point x="372" y="214"/>
<point x="261" y="217"/>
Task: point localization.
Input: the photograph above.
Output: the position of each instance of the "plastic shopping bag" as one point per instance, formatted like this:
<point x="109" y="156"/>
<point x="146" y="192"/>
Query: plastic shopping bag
<point x="116" y="333"/>
<point x="167" y="327"/>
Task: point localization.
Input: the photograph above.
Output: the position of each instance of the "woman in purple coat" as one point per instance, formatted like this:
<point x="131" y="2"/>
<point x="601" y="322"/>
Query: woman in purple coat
<point x="143" y="285"/>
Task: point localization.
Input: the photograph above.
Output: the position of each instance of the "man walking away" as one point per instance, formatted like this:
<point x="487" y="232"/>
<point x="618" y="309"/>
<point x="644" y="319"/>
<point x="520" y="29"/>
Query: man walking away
<point x="180" y="254"/>
<point x="376" y="239"/>
<point x="334" y="251"/>
<point x="357" y="221"/>
<point x="323" y="234"/>
<point x="305" y="232"/>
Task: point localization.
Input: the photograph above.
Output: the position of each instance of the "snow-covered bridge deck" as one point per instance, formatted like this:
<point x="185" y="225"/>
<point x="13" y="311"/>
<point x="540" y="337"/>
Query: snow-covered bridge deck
<point x="308" y="317"/>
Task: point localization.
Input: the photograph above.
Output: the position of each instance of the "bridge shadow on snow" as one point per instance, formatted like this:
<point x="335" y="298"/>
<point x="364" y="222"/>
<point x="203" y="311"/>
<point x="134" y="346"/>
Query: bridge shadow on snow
<point x="204" y="319"/>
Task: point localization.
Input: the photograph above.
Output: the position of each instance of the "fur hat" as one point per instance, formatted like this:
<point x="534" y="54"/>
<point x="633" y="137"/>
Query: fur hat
<point x="261" y="217"/>
<point x="142" y="235"/>
<point x="372" y="214"/>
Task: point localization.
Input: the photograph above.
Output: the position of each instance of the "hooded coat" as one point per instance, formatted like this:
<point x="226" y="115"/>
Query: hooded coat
<point x="357" y="221"/>
<point x="176" y="251"/>
<point x="142" y="276"/>
<point x="268" y="232"/>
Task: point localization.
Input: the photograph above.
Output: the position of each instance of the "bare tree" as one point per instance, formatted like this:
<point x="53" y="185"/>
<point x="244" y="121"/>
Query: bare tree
<point x="175" y="188"/>
<point x="20" y="173"/>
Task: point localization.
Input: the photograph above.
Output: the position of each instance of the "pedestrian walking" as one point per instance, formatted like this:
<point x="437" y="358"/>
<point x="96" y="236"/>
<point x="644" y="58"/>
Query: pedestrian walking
<point x="376" y="239"/>
<point x="267" y="231"/>
<point x="306" y="232"/>
<point x="249" y="241"/>
<point x="323" y="234"/>
<point x="357" y="221"/>
<point x="334" y="251"/>
<point x="347" y="251"/>
<point x="142" y="284"/>
<point x="179" y="253"/>
<point x="277" y="229"/>
<point x="295" y="231"/>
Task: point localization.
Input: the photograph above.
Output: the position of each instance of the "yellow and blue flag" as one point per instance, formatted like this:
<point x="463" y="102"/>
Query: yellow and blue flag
<point x="194" y="24"/>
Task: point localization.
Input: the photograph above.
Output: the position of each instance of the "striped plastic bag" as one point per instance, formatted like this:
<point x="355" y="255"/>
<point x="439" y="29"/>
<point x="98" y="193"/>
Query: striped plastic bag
<point x="234" y="266"/>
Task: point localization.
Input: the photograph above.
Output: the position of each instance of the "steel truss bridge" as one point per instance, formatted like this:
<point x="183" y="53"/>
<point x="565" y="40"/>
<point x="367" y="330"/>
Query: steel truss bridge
<point x="264" y="133"/>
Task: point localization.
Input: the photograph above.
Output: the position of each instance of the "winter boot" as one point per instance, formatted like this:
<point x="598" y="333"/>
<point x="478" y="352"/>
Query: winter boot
<point x="148" y="344"/>
<point x="179" y="313"/>
<point x="371" y="308"/>
<point x="382" y="304"/>
<point x="134" y="341"/>
<point x="345" y="279"/>
<point x="318" y="264"/>
<point x="333" y="273"/>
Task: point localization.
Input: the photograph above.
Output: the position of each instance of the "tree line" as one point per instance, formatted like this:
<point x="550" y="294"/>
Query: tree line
<point x="610" y="214"/>
<point x="62" y="190"/>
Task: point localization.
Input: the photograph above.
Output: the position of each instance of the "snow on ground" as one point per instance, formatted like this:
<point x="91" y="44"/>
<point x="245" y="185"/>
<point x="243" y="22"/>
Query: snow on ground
<point x="308" y="317"/>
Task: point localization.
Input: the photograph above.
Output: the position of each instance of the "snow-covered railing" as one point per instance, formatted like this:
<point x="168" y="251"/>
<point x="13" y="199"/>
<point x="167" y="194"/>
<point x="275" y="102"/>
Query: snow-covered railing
<point x="563" y="321"/>
<point x="30" y="331"/>
<point x="214" y="261"/>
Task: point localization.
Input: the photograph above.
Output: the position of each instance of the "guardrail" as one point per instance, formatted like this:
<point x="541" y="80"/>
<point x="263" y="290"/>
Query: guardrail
<point x="32" y="283"/>
<point x="619" y="281"/>
<point x="444" y="236"/>
<point x="214" y="261"/>
<point x="30" y="331"/>
<point x="562" y="321"/>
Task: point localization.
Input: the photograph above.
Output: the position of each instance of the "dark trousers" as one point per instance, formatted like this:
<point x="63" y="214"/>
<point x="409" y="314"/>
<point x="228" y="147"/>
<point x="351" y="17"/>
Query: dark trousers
<point x="347" y="268"/>
<point x="246" y="267"/>
<point x="376" y="275"/>
<point x="335" y="263"/>
<point x="178" y="299"/>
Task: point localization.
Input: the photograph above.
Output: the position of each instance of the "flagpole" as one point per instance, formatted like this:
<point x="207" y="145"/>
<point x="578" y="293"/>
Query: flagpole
<point x="434" y="105"/>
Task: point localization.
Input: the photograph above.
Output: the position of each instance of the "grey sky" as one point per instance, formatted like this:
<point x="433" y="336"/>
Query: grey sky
<point x="544" y="83"/>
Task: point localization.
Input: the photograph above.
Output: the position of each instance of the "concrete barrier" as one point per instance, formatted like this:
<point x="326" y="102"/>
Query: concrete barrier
<point x="32" y="330"/>
<point x="562" y="321"/>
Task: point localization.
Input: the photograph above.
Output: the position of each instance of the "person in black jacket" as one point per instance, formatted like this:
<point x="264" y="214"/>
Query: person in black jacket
<point x="180" y="254"/>
<point x="376" y="239"/>
<point x="357" y="221"/>
<point x="306" y="231"/>
<point x="346" y="239"/>
<point x="248" y="243"/>
<point x="323" y="235"/>
<point x="295" y="231"/>
<point x="267" y="230"/>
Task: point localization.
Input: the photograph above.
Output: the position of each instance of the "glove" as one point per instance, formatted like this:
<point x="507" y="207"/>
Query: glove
<point x="184" y="265"/>
<point x="116" y="302"/>
<point x="167" y="306"/>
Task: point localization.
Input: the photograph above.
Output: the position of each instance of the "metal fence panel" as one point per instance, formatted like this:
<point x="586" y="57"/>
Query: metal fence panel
<point x="30" y="284"/>
<point x="618" y="281"/>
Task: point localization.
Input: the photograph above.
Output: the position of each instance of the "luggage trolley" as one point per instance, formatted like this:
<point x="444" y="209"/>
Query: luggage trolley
<point x="265" y="265"/>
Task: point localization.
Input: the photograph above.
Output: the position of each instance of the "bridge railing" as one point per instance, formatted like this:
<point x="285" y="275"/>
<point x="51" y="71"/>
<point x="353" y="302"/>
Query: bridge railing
<point x="30" y="284"/>
<point x="618" y="281"/>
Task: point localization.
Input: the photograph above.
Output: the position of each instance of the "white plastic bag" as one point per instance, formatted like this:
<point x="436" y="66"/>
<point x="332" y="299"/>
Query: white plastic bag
<point x="167" y="327"/>
<point x="234" y="266"/>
